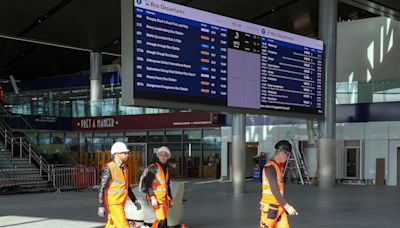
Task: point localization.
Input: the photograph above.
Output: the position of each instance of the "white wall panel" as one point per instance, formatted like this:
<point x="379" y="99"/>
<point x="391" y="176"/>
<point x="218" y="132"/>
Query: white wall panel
<point x="267" y="147"/>
<point x="392" y="163"/>
<point x="353" y="131"/>
<point x="285" y="131"/>
<point x="394" y="130"/>
<point x="339" y="131"/>
<point x="226" y="135"/>
<point x="376" y="130"/>
<point x="302" y="132"/>
<point x="339" y="159"/>
<point x="253" y="133"/>
<point x="375" y="149"/>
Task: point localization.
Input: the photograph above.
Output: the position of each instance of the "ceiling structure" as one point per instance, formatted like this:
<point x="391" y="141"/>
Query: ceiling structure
<point x="53" y="37"/>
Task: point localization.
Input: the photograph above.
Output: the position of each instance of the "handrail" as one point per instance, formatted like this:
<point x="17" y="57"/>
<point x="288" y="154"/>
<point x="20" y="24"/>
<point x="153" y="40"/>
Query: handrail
<point x="26" y="143"/>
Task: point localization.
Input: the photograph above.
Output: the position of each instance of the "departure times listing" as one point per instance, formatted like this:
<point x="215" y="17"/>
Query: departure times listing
<point x="291" y="77"/>
<point x="189" y="56"/>
<point x="180" y="59"/>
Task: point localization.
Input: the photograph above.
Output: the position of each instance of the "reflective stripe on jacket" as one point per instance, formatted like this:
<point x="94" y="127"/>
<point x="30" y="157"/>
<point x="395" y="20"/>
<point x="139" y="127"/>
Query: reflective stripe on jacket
<point x="160" y="182"/>
<point x="267" y="196"/>
<point x="117" y="189"/>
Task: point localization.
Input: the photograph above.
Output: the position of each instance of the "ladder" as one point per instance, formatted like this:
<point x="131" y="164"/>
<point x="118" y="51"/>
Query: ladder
<point x="296" y="161"/>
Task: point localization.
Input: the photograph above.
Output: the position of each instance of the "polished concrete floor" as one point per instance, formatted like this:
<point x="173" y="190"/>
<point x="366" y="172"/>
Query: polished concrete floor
<point x="213" y="205"/>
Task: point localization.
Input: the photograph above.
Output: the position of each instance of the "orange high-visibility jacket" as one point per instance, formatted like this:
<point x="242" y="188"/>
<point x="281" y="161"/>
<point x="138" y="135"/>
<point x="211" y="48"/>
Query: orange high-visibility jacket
<point x="160" y="183"/>
<point x="117" y="188"/>
<point x="267" y="196"/>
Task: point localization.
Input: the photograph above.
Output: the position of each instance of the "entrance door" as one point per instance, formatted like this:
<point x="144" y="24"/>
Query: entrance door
<point x="352" y="162"/>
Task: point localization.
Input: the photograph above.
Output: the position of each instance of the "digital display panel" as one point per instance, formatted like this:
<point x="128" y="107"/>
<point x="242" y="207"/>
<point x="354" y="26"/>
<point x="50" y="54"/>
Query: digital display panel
<point x="189" y="56"/>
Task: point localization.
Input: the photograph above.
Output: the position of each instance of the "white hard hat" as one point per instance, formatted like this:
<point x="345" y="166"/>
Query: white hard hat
<point x="165" y="149"/>
<point x="119" y="147"/>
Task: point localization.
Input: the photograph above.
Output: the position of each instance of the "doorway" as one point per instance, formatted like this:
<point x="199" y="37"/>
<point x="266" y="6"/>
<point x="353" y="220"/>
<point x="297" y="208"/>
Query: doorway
<point x="352" y="162"/>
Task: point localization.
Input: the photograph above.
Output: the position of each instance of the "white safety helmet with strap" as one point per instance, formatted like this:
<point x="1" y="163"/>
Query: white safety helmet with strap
<point x="119" y="147"/>
<point x="164" y="149"/>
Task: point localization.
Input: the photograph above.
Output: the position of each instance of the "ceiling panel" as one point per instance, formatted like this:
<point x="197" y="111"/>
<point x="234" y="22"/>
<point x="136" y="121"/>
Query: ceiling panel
<point x="16" y="15"/>
<point x="95" y="24"/>
<point x="300" y="17"/>
<point x="83" y="23"/>
<point x="11" y="50"/>
<point x="393" y="4"/>
<point x="47" y="61"/>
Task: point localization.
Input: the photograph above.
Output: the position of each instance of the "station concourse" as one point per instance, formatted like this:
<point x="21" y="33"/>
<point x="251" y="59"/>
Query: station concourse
<point x="219" y="84"/>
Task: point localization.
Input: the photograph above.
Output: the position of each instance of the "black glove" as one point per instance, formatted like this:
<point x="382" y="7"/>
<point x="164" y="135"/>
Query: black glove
<point x="137" y="204"/>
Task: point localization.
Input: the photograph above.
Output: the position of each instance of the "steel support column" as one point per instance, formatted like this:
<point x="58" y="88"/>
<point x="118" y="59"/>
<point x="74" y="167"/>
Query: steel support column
<point x="238" y="152"/>
<point x="327" y="141"/>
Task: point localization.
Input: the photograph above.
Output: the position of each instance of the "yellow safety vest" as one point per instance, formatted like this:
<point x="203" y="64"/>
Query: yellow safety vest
<point x="160" y="183"/>
<point x="267" y="196"/>
<point x="117" y="188"/>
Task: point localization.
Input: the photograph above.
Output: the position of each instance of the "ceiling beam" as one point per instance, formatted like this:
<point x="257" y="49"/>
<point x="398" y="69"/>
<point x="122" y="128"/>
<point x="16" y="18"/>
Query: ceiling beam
<point x="374" y="7"/>
<point x="273" y="10"/>
<point x="46" y="43"/>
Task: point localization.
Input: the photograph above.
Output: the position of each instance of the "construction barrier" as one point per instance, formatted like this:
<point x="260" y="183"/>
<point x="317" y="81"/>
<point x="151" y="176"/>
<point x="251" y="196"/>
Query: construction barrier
<point x="100" y="159"/>
<point x="72" y="178"/>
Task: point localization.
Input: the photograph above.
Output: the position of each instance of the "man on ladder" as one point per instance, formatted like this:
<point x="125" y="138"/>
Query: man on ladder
<point x="273" y="205"/>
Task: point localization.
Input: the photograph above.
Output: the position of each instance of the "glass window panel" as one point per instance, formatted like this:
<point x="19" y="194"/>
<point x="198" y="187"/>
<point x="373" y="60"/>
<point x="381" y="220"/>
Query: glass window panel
<point x="192" y="160"/>
<point x="44" y="138"/>
<point x="156" y="136"/>
<point x="57" y="138"/>
<point x="136" y="136"/>
<point x="173" y="135"/>
<point x="116" y="133"/>
<point x="176" y="160"/>
<point x="192" y="135"/>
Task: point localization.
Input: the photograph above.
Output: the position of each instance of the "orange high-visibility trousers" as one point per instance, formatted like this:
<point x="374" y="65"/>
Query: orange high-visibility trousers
<point x="161" y="213"/>
<point x="116" y="217"/>
<point x="273" y="216"/>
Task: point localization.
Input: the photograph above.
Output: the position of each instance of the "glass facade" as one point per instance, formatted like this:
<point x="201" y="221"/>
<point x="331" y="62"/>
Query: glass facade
<point x="195" y="153"/>
<point x="367" y="92"/>
<point x="73" y="102"/>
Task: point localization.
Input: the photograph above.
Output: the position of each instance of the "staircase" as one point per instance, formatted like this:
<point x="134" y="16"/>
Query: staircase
<point x="20" y="175"/>
<point x="22" y="169"/>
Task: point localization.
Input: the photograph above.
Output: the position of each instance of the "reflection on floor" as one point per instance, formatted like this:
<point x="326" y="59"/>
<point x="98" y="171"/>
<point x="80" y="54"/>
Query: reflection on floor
<point x="210" y="203"/>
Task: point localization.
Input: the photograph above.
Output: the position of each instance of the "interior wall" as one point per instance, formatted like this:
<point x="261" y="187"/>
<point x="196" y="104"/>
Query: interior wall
<point x="371" y="45"/>
<point x="378" y="140"/>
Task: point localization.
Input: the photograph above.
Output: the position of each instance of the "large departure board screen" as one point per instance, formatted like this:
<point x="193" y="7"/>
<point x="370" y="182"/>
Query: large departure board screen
<point x="187" y="58"/>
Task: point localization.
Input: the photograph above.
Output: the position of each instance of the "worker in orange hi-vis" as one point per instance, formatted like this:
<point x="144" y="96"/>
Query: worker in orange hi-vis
<point x="273" y="205"/>
<point x="114" y="188"/>
<point x="158" y="189"/>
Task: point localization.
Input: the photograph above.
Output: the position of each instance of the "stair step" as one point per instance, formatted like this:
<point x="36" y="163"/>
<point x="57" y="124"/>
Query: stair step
<point x="22" y="174"/>
<point x="38" y="183"/>
<point x="19" y="179"/>
<point x="23" y="159"/>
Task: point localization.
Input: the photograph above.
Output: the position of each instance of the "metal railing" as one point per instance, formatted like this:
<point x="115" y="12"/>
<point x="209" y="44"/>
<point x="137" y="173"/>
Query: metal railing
<point x="71" y="178"/>
<point x="25" y="145"/>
